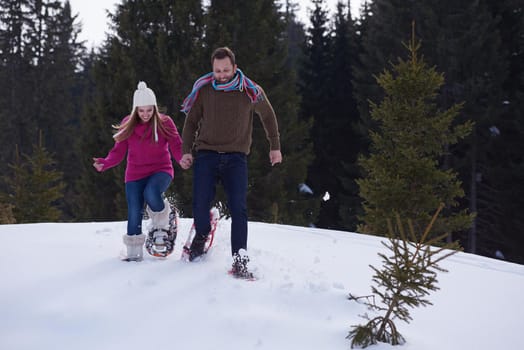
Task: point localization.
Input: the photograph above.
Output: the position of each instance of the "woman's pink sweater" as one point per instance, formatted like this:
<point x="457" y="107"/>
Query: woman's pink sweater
<point x="144" y="156"/>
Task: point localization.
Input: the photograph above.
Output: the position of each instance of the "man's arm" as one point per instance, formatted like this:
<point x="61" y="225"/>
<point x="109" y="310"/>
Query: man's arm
<point x="269" y="120"/>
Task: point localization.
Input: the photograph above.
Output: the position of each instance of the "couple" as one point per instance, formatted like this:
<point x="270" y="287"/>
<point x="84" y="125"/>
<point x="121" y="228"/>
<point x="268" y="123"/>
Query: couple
<point x="218" y="130"/>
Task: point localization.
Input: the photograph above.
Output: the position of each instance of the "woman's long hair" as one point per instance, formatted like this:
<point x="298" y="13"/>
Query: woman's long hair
<point x="125" y="129"/>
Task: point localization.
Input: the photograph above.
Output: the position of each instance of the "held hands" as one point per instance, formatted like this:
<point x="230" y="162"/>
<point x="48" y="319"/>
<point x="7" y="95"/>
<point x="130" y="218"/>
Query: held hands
<point x="98" y="166"/>
<point x="275" y="157"/>
<point x="186" y="161"/>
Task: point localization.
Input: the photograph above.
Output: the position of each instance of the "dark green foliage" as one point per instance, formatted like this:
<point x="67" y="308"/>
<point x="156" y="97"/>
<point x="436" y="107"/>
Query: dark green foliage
<point x="326" y="87"/>
<point x="39" y="56"/>
<point x="295" y="36"/>
<point x="315" y="75"/>
<point x="406" y="278"/>
<point x="402" y="174"/>
<point x="476" y="44"/>
<point x="342" y="140"/>
<point x="477" y="82"/>
<point x="15" y="108"/>
<point x="34" y="186"/>
<point x="6" y="214"/>
<point x="94" y="192"/>
<point x="501" y="190"/>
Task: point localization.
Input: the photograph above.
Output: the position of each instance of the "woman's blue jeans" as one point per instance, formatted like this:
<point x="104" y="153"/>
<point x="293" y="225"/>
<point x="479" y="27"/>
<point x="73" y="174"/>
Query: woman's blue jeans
<point x="148" y="190"/>
<point x="230" y="169"/>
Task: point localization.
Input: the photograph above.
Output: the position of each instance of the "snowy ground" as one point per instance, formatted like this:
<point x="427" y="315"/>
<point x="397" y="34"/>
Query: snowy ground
<point x="62" y="286"/>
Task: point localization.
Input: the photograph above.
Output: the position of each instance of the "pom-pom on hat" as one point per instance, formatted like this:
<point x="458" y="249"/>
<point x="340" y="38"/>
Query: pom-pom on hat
<point x="143" y="96"/>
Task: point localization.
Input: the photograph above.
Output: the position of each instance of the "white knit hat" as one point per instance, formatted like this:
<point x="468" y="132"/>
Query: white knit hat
<point x="143" y="96"/>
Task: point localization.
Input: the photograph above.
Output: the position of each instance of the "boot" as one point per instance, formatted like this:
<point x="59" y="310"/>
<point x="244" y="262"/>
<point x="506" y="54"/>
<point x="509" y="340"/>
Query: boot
<point x="134" y="245"/>
<point x="197" y="246"/>
<point x="159" y="226"/>
<point x="239" y="267"/>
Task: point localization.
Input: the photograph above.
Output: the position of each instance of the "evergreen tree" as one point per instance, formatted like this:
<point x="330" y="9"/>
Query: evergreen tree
<point x="39" y="54"/>
<point x="256" y="32"/>
<point x="470" y="24"/>
<point x="56" y="106"/>
<point x="350" y="202"/>
<point x="408" y="275"/>
<point x="327" y="90"/>
<point x="295" y="36"/>
<point x="35" y="186"/>
<point x="57" y="80"/>
<point x="341" y="139"/>
<point x="402" y="174"/>
<point x="455" y="35"/>
<point x="384" y="25"/>
<point x="313" y="87"/>
<point x="506" y="185"/>
<point x="15" y="109"/>
<point x="95" y="194"/>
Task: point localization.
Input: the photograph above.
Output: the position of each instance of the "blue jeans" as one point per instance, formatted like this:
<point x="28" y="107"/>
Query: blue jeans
<point x="148" y="190"/>
<point x="231" y="170"/>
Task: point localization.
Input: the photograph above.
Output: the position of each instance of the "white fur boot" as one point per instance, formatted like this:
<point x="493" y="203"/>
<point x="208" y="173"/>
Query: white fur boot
<point x="134" y="245"/>
<point x="159" y="224"/>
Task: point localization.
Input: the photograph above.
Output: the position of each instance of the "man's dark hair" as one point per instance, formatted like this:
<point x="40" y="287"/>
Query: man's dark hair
<point x="221" y="53"/>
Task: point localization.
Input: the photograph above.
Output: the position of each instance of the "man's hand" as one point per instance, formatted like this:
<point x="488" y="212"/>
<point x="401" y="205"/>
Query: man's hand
<point x="186" y="161"/>
<point x="275" y="157"/>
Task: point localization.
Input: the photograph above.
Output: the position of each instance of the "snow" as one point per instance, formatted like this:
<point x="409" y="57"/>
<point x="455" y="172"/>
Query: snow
<point x="63" y="286"/>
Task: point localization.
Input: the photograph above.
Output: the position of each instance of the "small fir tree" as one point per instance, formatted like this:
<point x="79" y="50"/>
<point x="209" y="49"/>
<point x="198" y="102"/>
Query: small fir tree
<point x="35" y="186"/>
<point x="403" y="173"/>
<point x="407" y="277"/>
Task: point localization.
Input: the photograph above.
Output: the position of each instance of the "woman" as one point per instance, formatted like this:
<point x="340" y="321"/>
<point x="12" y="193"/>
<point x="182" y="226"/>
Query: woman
<point x="149" y="139"/>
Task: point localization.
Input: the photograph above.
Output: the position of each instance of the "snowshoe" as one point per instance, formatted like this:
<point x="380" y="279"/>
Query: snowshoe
<point x="239" y="267"/>
<point x="197" y="246"/>
<point x="161" y="242"/>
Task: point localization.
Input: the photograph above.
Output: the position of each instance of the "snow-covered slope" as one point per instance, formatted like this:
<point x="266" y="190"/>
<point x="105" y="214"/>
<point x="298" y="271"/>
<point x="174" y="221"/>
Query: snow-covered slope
<point x="62" y="286"/>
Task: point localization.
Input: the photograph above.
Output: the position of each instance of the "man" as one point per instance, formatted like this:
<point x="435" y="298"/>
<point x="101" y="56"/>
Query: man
<point x="218" y="128"/>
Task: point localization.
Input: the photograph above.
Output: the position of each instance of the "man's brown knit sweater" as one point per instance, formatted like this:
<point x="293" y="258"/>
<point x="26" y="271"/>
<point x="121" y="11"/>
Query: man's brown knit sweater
<point x="223" y="122"/>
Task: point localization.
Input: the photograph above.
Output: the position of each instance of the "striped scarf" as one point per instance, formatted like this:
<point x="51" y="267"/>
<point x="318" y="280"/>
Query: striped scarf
<point x="239" y="83"/>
